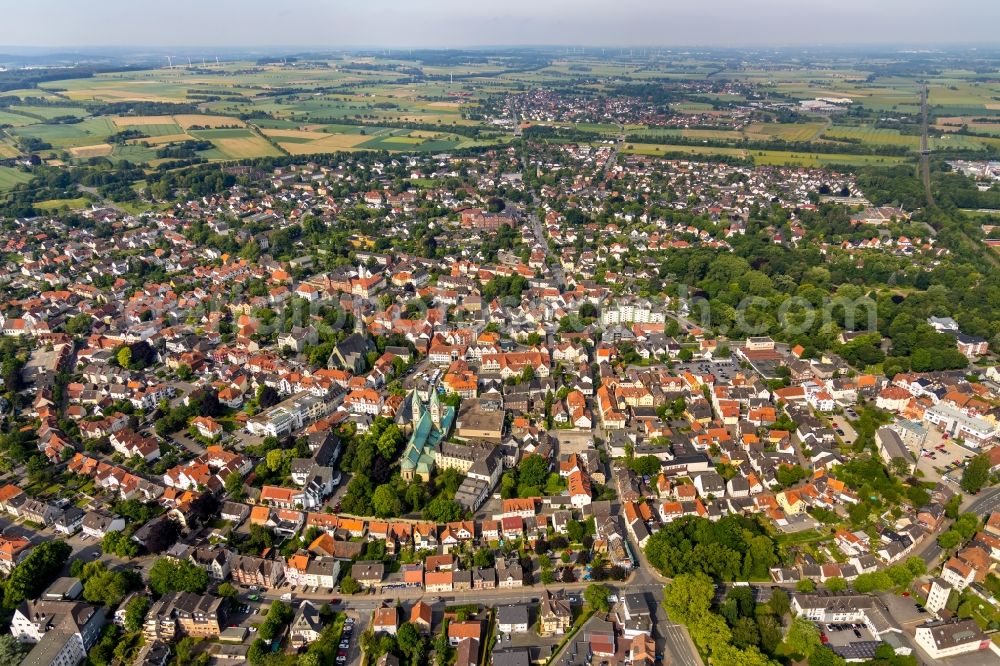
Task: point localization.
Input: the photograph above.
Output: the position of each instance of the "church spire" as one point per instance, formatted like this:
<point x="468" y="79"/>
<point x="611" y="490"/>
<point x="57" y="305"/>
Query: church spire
<point x="416" y="406"/>
<point x="435" y="409"/>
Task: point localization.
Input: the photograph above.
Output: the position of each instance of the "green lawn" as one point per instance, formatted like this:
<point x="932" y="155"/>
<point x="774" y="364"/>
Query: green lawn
<point x="54" y="204"/>
<point x="799" y="538"/>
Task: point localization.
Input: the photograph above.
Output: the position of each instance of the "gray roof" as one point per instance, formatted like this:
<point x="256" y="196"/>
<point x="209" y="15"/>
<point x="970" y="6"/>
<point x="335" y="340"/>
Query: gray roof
<point x="513" y="614"/>
<point x="511" y="657"/>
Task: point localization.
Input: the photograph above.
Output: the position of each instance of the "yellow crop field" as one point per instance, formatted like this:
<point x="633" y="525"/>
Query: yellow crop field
<point x="187" y="121"/>
<point x="160" y="140"/>
<point x="280" y="134"/>
<point x="130" y="121"/>
<point x="96" y="150"/>
<point x="245" y="146"/>
<point x="330" y="143"/>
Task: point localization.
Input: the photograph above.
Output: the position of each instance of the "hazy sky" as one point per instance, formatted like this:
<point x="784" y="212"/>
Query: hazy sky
<point x="347" y="23"/>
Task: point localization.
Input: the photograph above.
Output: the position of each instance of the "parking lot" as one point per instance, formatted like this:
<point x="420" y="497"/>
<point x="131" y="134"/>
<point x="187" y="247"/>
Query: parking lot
<point x="941" y="456"/>
<point x="846" y="633"/>
<point x="723" y="369"/>
<point x="843" y="428"/>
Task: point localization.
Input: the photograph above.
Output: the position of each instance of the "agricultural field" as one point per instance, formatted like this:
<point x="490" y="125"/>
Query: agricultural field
<point x="49" y="112"/>
<point x="977" y="124"/>
<point x="766" y="157"/>
<point x="151" y="129"/>
<point x="133" y="153"/>
<point x="9" y="177"/>
<point x="785" y="131"/>
<point x="872" y="136"/>
<point x="361" y="102"/>
<point x="84" y="133"/>
<point x="8" y="117"/>
<point x="331" y="138"/>
<point x="7" y="150"/>
<point x="137" y="87"/>
<point x="96" y="150"/>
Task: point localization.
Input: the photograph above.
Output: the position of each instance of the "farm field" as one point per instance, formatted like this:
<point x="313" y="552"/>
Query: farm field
<point x="327" y="139"/>
<point x="767" y="157"/>
<point x="152" y="129"/>
<point x="8" y="117"/>
<point x="873" y="136"/>
<point x="85" y="133"/>
<point x="133" y="153"/>
<point x="9" y="177"/>
<point x="236" y="144"/>
<point x="785" y="131"/>
<point x="96" y="150"/>
<point x="49" y="112"/>
<point x="318" y="106"/>
<point x="140" y="87"/>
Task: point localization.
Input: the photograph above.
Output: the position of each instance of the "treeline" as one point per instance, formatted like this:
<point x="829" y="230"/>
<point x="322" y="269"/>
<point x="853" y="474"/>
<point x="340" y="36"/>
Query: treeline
<point x="142" y="108"/>
<point x="184" y="149"/>
<point x="549" y="132"/>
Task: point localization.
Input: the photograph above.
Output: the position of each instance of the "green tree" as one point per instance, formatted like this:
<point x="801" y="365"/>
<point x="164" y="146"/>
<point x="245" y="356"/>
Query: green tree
<point x="349" y="586"/>
<point x="824" y="656"/>
<point x="386" y="502"/>
<point x="234" y="486"/>
<point x="803" y="637"/>
<point x="779" y="603"/>
<point x="411" y="643"/>
<point x="949" y="539"/>
<point x="596" y="596"/>
<point x="533" y="471"/>
<point x="709" y="632"/>
<point x="35" y="572"/>
<point x="11" y="650"/>
<point x="977" y="473"/>
<point x="745" y="633"/>
<point x="836" y="584"/>
<point x="688" y="596"/>
<point x="170" y="575"/>
<point x="805" y="585"/>
<point x="443" y="510"/>
<point x="108" y="587"/>
<point x="228" y="591"/>
<point x="135" y="612"/>
<point x="124" y="357"/>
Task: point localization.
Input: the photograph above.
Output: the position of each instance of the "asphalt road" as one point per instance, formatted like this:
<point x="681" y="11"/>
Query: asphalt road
<point x="982" y="505"/>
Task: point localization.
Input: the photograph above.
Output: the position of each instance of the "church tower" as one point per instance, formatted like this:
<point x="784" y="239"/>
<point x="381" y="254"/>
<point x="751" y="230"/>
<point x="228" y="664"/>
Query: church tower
<point x="416" y="408"/>
<point x="435" y="409"/>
